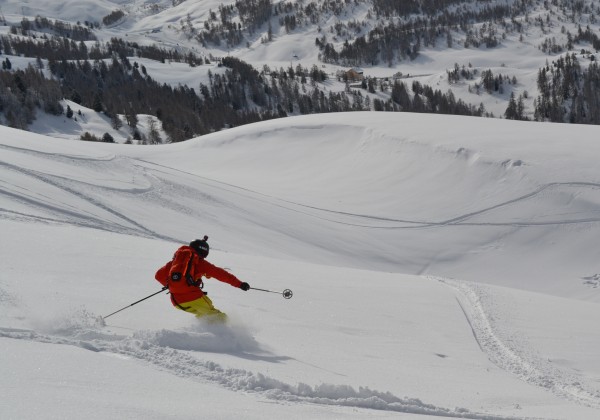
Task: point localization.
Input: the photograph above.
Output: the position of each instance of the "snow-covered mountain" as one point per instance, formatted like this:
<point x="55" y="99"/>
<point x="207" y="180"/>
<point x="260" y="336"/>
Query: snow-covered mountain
<point x="483" y="52"/>
<point x="442" y="266"/>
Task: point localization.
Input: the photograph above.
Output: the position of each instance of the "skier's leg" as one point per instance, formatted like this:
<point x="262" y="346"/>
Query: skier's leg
<point x="204" y="309"/>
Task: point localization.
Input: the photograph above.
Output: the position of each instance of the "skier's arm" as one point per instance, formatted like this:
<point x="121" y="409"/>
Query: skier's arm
<point x="220" y="274"/>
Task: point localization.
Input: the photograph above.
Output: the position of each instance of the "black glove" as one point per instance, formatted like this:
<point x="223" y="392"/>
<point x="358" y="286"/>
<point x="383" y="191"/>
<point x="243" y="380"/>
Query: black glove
<point x="244" y="286"/>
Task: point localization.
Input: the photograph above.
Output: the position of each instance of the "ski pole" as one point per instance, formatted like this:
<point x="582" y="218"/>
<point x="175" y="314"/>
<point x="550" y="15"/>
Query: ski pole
<point x="134" y="303"/>
<point x="287" y="293"/>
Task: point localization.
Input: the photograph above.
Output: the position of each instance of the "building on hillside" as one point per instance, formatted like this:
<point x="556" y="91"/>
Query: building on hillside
<point x="354" y="75"/>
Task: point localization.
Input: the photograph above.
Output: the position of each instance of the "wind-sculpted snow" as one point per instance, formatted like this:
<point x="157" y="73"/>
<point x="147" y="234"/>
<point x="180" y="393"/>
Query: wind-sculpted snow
<point x="187" y="354"/>
<point x="511" y="352"/>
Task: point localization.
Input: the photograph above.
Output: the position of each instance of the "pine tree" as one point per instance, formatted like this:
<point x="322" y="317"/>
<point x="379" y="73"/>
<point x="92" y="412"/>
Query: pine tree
<point x="116" y="122"/>
<point x="511" y="112"/>
<point x="521" y="108"/>
<point x="97" y="105"/>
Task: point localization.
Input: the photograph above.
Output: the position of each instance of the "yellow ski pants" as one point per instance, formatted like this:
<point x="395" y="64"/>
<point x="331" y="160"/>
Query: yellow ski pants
<point x="203" y="308"/>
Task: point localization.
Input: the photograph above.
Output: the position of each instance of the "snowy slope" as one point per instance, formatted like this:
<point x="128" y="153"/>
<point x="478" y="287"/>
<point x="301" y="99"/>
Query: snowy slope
<point x="371" y="191"/>
<point x="441" y="266"/>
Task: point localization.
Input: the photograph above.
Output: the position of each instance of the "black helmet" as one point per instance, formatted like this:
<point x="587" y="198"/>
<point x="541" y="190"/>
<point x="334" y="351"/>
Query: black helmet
<point x="201" y="246"/>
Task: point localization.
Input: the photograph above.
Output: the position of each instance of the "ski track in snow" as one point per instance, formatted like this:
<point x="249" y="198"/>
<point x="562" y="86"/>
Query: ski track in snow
<point x="90" y="205"/>
<point x="86" y="193"/>
<point x="180" y="353"/>
<point x="155" y="177"/>
<point x="461" y="220"/>
<point x="512" y="354"/>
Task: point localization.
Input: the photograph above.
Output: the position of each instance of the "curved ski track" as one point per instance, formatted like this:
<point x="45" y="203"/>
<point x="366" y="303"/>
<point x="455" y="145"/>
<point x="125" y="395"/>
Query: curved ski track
<point x="461" y="220"/>
<point x="151" y="180"/>
<point x="514" y="355"/>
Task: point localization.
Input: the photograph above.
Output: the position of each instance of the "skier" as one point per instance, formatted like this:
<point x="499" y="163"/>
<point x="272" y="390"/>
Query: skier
<point x="183" y="276"/>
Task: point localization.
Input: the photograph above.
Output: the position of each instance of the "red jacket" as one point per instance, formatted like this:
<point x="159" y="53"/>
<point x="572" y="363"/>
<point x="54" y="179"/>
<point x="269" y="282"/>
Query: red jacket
<point x="184" y="273"/>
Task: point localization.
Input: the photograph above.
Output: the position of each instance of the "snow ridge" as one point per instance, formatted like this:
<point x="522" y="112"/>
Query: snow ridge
<point x="512" y="354"/>
<point x="156" y="348"/>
